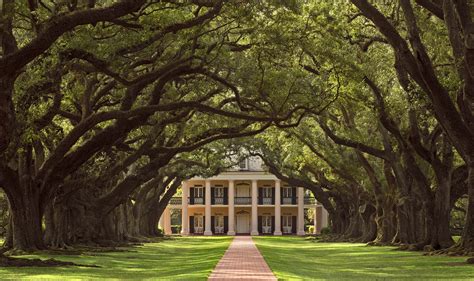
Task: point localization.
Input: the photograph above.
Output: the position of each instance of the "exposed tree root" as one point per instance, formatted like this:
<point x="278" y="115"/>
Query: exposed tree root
<point x="456" y="250"/>
<point x="379" y="244"/>
<point x="19" y="262"/>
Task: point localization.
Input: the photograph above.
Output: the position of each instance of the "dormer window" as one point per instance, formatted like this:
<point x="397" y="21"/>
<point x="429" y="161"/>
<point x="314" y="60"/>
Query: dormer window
<point x="243" y="165"/>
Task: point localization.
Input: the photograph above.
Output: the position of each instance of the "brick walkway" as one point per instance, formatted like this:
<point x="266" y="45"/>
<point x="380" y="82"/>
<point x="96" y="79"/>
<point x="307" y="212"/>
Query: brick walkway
<point x="242" y="261"/>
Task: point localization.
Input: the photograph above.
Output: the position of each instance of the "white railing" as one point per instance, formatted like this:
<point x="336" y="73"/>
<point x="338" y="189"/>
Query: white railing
<point x="198" y="200"/>
<point x="267" y="229"/>
<point x="219" y="201"/>
<point x="267" y="201"/>
<point x="243" y="200"/>
<point x="198" y="230"/>
<point x="287" y="201"/>
<point x="219" y="230"/>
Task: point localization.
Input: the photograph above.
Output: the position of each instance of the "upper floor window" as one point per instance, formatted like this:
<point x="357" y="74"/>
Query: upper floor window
<point x="287" y="192"/>
<point x="266" y="192"/>
<point x="219" y="192"/>
<point x="243" y="165"/>
<point x="199" y="192"/>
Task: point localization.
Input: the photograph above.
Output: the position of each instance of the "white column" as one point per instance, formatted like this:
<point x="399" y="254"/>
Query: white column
<point x="184" y="209"/>
<point x="277" y="208"/>
<point x="325" y="217"/>
<point x="300" y="224"/>
<point x="207" y="230"/>
<point x="254" y="208"/>
<point x="231" y="214"/>
<point x="167" y="219"/>
<point x="162" y="221"/>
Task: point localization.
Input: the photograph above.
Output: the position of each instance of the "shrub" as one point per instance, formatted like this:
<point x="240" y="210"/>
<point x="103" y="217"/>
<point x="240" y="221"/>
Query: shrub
<point x="325" y="230"/>
<point x="3" y="214"/>
<point x="176" y="229"/>
<point x="160" y="232"/>
<point x="311" y="229"/>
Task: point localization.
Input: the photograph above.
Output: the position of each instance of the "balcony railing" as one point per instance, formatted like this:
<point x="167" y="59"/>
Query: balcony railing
<point x="243" y="200"/>
<point x="198" y="201"/>
<point x="266" y="201"/>
<point x="176" y="201"/>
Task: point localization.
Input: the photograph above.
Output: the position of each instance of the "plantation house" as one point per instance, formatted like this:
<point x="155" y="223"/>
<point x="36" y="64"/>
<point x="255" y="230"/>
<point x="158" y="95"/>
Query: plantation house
<point x="243" y="200"/>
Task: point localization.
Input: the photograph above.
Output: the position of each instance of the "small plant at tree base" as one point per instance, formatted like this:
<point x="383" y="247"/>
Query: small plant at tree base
<point x="325" y="231"/>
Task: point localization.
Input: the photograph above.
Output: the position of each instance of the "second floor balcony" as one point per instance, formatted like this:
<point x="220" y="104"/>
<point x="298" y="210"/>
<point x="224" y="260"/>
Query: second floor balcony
<point x="267" y="201"/>
<point x="243" y="201"/>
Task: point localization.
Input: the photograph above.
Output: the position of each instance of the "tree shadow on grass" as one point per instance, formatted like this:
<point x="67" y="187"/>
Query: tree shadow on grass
<point x="182" y="258"/>
<point x="293" y="257"/>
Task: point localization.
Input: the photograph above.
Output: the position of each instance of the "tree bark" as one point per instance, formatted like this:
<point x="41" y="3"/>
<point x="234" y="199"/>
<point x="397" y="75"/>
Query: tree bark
<point x="467" y="238"/>
<point x="26" y="222"/>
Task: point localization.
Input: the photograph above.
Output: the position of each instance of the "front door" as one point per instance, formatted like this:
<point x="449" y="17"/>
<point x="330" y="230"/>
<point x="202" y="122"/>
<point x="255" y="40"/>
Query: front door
<point x="243" y="223"/>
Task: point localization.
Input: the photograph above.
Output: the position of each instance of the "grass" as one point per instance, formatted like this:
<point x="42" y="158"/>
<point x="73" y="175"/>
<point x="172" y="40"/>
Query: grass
<point x="186" y="258"/>
<point x="290" y="258"/>
<point x="299" y="258"/>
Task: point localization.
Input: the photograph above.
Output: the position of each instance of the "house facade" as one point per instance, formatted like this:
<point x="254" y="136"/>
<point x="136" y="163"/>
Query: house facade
<point x="243" y="200"/>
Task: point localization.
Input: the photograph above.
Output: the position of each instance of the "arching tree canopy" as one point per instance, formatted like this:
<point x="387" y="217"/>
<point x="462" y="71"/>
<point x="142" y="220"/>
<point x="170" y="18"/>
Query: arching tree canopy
<point x="106" y="106"/>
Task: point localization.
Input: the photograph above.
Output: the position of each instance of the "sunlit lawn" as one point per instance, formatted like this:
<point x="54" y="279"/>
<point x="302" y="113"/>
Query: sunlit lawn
<point x="186" y="258"/>
<point x="299" y="258"/>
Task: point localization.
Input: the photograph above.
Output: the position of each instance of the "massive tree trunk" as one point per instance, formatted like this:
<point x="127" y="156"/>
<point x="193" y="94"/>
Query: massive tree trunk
<point x="158" y="206"/>
<point x="8" y="45"/>
<point x="7" y="113"/>
<point x="341" y="216"/>
<point x="467" y="238"/>
<point x="369" y="230"/>
<point x="442" y="214"/>
<point x="23" y="195"/>
<point x="405" y="212"/>
<point x="26" y="221"/>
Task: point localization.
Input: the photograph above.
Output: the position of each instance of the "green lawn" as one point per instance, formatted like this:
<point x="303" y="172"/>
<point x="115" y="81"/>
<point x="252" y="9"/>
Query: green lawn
<point x="186" y="258"/>
<point x="299" y="258"/>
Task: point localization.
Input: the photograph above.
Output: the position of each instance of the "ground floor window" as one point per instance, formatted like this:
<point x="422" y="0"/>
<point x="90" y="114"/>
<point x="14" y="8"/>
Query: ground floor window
<point x="287" y="224"/>
<point x="219" y="224"/>
<point x="267" y="224"/>
<point x="199" y="224"/>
